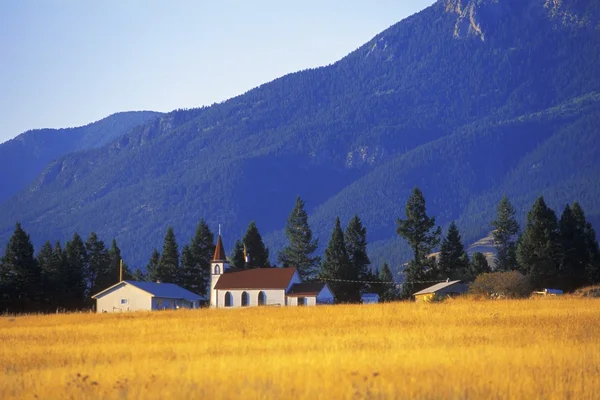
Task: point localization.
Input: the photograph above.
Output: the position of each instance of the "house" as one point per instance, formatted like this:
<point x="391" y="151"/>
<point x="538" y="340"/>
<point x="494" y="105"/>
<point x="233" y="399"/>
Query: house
<point x="144" y="296"/>
<point x="261" y="286"/>
<point x="369" y="298"/>
<point x="441" y="290"/>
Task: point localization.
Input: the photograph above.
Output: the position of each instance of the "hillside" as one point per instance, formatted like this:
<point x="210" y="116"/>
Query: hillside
<point x="462" y="99"/>
<point x="25" y="157"/>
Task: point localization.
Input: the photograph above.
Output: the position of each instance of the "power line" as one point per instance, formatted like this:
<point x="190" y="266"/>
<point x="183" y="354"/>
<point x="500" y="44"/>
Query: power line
<point x="379" y="282"/>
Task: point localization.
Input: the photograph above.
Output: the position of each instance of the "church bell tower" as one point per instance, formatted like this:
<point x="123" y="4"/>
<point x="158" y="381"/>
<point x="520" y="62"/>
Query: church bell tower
<point x="218" y="267"/>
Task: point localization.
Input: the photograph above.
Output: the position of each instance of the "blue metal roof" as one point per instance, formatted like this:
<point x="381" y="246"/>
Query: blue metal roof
<point x="165" y="290"/>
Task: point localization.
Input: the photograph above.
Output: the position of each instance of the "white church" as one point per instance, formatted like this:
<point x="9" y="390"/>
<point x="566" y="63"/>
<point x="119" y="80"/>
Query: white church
<point x="262" y="286"/>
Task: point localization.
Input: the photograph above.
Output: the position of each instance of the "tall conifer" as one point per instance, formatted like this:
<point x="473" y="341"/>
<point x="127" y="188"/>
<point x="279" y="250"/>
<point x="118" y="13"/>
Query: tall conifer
<point x="355" y="238"/>
<point x="257" y="252"/>
<point x="168" y="265"/>
<point x="335" y="266"/>
<point x="504" y="235"/>
<point x="453" y="262"/>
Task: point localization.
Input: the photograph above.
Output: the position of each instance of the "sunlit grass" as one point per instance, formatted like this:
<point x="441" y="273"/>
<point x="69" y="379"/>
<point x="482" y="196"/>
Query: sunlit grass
<point x="546" y="349"/>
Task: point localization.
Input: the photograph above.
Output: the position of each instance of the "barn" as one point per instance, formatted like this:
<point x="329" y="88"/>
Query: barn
<point x="145" y="296"/>
<point x="441" y="290"/>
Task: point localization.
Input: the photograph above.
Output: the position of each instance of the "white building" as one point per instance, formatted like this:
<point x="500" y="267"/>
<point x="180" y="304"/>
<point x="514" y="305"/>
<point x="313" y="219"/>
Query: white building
<point x="261" y="286"/>
<point x="144" y="296"/>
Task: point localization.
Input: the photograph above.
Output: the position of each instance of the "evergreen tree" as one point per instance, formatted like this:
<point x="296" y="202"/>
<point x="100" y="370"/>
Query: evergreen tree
<point x="76" y="260"/>
<point x="168" y="265"/>
<point x="257" y="252"/>
<point x="575" y="257"/>
<point x="336" y="266"/>
<point x="112" y="274"/>
<point x="388" y="292"/>
<point x="237" y="259"/>
<point x="355" y="237"/>
<point x="299" y="252"/>
<point x="538" y="251"/>
<point x="47" y="275"/>
<point x="419" y="230"/>
<point x="20" y="274"/>
<point x="592" y="259"/>
<point x="98" y="262"/>
<point x="196" y="259"/>
<point x="505" y="231"/>
<point x="152" y="267"/>
<point x="478" y="265"/>
<point x="139" y="276"/>
<point x="453" y="261"/>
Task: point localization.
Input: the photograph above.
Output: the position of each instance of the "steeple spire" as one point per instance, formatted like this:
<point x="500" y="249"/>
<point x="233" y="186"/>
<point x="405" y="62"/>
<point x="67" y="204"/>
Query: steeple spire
<point x="219" y="250"/>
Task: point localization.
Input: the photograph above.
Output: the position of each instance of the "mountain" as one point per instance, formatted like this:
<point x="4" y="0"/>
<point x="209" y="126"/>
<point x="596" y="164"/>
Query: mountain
<point x="23" y="158"/>
<point x="467" y="99"/>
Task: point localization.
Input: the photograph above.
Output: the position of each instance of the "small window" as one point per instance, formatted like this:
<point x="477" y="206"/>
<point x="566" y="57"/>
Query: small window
<point x="217" y="269"/>
<point x="301" y="301"/>
<point x="262" y="298"/>
<point x="245" y="299"/>
<point x="228" y="299"/>
<point x="123" y="301"/>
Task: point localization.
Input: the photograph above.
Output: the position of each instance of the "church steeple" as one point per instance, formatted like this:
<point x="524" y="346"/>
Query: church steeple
<point x="219" y="266"/>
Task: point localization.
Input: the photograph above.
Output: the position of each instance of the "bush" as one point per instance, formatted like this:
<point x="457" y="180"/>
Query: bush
<point x="496" y="285"/>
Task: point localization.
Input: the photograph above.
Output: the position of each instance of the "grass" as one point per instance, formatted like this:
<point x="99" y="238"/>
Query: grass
<point x="534" y="349"/>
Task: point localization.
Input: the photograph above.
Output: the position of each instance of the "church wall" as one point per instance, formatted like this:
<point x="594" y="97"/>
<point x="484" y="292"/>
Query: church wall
<point x="274" y="297"/>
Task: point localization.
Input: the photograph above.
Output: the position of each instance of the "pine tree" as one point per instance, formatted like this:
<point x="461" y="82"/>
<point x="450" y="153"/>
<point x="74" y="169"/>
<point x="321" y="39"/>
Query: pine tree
<point x="47" y="276"/>
<point x="538" y="251"/>
<point x="592" y="259"/>
<point x="112" y="273"/>
<point x="478" y="265"/>
<point x="152" y="267"/>
<point x="257" y="252"/>
<point x="505" y="231"/>
<point x="335" y="266"/>
<point x="388" y="292"/>
<point x="575" y="260"/>
<point x="139" y="276"/>
<point x="237" y="256"/>
<point x="196" y="259"/>
<point x="453" y="261"/>
<point x="76" y="260"/>
<point x="20" y="274"/>
<point x="98" y="262"/>
<point x="420" y="232"/>
<point x="168" y="265"/>
<point x="298" y="253"/>
<point x="356" y="245"/>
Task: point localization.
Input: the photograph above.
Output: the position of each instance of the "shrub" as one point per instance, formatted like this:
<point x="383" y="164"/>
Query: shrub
<point x="510" y="284"/>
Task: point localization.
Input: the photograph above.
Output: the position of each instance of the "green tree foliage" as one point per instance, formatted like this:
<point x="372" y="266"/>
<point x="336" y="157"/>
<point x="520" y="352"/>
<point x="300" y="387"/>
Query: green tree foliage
<point x="453" y="262"/>
<point x="20" y="274"/>
<point x="237" y="259"/>
<point x="196" y="259"/>
<point x="152" y="266"/>
<point x="478" y="265"/>
<point x="48" y="275"/>
<point x="299" y="252"/>
<point x="77" y="260"/>
<point x="139" y="275"/>
<point x="98" y="261"/>
<point x="419" y="230"/>
<point x="505" y="232"/>
<point x="355" y="238"/>
<point x="575" y="257"/>
<point x="511" y="284"/>
<point x="168" y="264"/>
<point x="256" y="251"/>
<point x="336" y="266"/>
<point x="539" y="252"/>
<point x="387" y="292"/>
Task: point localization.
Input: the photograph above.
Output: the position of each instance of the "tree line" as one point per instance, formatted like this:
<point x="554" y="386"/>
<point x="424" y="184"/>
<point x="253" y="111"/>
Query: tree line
<point x="552" y="252"/>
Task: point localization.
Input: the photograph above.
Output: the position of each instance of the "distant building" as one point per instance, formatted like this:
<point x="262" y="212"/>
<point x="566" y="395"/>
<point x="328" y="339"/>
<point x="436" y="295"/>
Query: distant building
<point x="144" y="296"/>
<point x="368" y="298"/>
<point x="440" y="290"/>
<point x="261" y="286"/>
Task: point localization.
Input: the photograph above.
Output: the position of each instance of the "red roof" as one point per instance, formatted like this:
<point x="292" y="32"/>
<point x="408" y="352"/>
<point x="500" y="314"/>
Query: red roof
<point x="260" y="278"/>
<point x="306" y="289"/>
<point x="219" y="251"/>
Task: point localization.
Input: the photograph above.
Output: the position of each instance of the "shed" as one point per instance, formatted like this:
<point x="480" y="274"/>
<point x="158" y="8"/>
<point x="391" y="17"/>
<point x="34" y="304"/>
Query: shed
<point x="440" y="290"/>
<point x="145" y="296"/>
<point x="369" y="298"/>
<point x="309" y="294"/>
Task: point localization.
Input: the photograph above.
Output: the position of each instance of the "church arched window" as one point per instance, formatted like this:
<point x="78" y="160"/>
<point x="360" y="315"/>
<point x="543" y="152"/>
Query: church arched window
<point x="217" y="269"/>
<point x="262" y="298"/>
<point x="245" y="299"/>
<point x="228" y="299"/>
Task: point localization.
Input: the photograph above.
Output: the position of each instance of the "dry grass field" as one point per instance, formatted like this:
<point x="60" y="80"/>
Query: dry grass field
<point x="530" y="349"/>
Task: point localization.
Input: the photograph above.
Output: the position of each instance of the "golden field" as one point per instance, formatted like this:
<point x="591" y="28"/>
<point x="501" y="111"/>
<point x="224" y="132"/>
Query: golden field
<point x="530" y="349"/>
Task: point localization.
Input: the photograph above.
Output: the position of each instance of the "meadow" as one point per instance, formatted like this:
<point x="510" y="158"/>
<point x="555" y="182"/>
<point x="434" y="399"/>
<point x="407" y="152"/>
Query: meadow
<point x="534" y="349"/>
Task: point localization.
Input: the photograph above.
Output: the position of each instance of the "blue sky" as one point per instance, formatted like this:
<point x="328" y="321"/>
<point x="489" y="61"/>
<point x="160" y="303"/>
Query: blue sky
<point x="69" y="62"/>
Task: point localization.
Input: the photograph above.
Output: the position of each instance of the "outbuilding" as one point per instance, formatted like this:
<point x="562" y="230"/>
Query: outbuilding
<point x="441" y="290"/>
<point x="145" y="296"/>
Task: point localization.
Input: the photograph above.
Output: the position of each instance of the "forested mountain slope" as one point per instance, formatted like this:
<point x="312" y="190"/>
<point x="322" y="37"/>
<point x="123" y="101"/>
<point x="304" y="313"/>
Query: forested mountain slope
<point x="458" y="99"/>
<point x="25" y="157"/>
